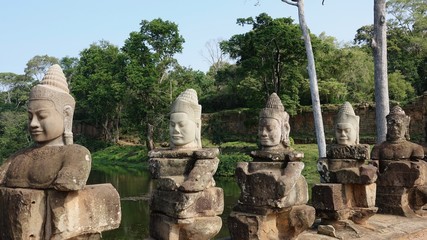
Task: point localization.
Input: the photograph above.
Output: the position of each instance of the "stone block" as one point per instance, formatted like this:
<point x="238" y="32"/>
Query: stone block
<point x="277" y="156"/>
<point x="204" y="153"/>
<point x="285" y="223"/>
<point x="163" y="227"/>
<point x="209" y="202"/>
<point x="402" y="173"/>
<point x="273" y="167"/>
<point x="329" y="196"/>
<point x="252" y="227"/>
<point x="164" y="167"/>
<point x="272" y="184"/>
<point x="338" y="164"/>
<point x="22" y="213"/>
<point x="299" y="219"/>
<point x="358" y="152"/>
<point x="169" y="183"/>
<point x="394" y="200"/>
<point x="200" y="176"/>
<point x="364" y="195"/>
<point x="94" y="209"/>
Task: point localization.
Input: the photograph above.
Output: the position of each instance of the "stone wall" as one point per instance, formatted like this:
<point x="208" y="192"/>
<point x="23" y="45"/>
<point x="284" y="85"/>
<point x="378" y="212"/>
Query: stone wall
<point x="243" y="124"/>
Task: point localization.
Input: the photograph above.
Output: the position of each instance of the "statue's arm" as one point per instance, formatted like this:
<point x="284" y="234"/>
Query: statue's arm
<point x="75" y="169"/>
<point x="417" y="153"/>
<point x="3" y="170"/>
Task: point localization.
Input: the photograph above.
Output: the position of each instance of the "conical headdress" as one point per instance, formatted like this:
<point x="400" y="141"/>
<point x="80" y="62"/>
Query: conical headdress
<point x="397" y="112"/>
<point x="187" y="102"/>
<point x="346" y="115"/>
<point x="274" y="108"/>
<point x="54" y="88"/>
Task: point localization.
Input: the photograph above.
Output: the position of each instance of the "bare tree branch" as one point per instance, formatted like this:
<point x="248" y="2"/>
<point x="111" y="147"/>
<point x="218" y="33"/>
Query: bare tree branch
<point x="290" y="3"/>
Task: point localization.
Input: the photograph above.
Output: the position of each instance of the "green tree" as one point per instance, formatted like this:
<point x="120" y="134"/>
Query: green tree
<point x="13" y="132"/>
<point x="38" y="66"/>
<point x="15" y="89"/>
<point x="100" y="88"/>
<point x="273" y="53"/>
<point x="149" y="54"/>
<point x="406" y="44"/>
<point x="400" y="89"/>
<point x="68" y="65"/>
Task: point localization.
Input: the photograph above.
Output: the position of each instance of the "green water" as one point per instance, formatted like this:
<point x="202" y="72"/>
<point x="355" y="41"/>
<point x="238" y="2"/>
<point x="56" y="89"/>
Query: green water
<point x="134" y="189"/>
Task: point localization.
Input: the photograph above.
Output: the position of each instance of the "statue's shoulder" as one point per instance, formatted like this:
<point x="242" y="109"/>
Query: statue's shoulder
<point x="23" y="152"/>
<point x="74" y="150"/>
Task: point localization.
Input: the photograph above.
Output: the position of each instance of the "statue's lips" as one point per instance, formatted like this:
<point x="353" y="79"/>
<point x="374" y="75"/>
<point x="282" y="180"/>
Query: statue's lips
<point x="177" y="136"/>
<point x="36" y="132"/>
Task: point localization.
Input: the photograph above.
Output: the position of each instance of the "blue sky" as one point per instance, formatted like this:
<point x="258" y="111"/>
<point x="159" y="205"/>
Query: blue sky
<point x="64" y="28"/>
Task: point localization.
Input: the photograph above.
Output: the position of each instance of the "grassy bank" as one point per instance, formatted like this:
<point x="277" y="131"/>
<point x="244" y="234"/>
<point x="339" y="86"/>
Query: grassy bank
<point x="135" y="158"/>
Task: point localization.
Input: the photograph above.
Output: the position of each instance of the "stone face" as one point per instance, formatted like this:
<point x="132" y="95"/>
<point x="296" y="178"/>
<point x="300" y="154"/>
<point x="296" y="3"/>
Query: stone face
<point x="16" y="207"/>
<point x="94" y="209"/>
<point x="185" y="121"/>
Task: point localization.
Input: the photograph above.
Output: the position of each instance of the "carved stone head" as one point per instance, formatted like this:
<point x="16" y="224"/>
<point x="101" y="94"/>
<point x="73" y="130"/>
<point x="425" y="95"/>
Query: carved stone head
<point x="51" y="110"/>
<point x="347" y="126"/>
<point x="273" y="131"/>
<point x="397" y="125"/>
<point x="185" y="121"/>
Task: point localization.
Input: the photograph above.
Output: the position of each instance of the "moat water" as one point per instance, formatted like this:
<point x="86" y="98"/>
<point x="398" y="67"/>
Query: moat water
<point x="134" y="188"/>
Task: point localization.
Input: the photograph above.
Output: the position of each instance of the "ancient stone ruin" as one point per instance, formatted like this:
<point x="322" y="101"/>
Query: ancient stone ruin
<point x="402" y="180"/>
<point x="43" y="191"/>
<point x="347" y="189"/>
<point x="272" y="204"/>
<point x="185" y="204"/>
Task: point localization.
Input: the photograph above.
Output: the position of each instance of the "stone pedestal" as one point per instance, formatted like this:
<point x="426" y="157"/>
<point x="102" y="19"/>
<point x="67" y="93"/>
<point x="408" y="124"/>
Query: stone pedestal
<point x="273" y="197"/>
<point x="185" y="203"/>
<point x="402" y="188"/>
<point x="51" y="214"/>
<point x="349" y="188"/>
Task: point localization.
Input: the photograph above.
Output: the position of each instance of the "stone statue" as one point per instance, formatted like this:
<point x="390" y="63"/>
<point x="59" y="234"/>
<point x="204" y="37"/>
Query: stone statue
<point x="54" y="161"/>
<point x="348" y="177"/>
<point x="273" y="132"/>
<point x="185" y="121"/>
<point x="397" y="145"/>
<point x="402" y="183"/>
<point x="272" y="204"/>
<point x="185" y="203"/>
<point x="53" y="164"/>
